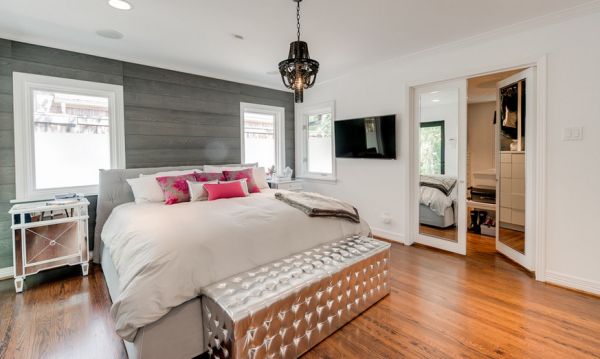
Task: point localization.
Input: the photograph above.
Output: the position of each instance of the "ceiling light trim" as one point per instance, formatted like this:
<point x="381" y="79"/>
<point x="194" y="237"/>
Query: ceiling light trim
<point x="123" y="5"/>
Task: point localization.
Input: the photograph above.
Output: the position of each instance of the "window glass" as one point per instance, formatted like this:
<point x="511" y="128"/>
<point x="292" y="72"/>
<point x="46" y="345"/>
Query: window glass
<point x="259" y="139"/>
<point x="432" y="149"/>
<point x="320" y="156"/>
<point x="71" y="138"/>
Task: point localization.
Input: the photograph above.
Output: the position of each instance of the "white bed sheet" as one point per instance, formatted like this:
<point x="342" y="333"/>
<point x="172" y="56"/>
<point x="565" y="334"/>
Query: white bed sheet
<point x="165" y="255"/>
<point x="436" y="199"/>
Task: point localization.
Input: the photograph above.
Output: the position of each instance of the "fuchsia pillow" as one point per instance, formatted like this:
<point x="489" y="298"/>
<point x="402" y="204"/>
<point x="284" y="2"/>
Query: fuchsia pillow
<point x="224" y="190"/>
<point x="175" y="188"/>
<point x="209" y="176"/>
<point x="245" y="173"/>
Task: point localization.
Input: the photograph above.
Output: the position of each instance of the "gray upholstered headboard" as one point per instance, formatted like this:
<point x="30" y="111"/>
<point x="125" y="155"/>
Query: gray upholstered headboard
<point x="114" y="190"/>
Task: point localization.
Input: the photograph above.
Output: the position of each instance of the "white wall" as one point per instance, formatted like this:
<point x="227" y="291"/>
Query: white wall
<point x="573" y="168"/>
<point x="480" y="136"/>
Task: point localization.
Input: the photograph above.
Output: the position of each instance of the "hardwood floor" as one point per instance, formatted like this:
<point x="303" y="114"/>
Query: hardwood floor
<point x="441" y="306"/>
<point x="60" y="315"/>
<point x="513" y="239"/>
<point x="449" y="233"/>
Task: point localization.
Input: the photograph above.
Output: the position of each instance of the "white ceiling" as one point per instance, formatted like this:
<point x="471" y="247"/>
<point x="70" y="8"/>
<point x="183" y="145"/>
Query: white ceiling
<point x="196" y="35"/>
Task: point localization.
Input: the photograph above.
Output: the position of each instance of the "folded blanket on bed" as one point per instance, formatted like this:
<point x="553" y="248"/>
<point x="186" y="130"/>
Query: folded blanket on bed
<point x="316" y="205"/>
<point x="443" y="183"/>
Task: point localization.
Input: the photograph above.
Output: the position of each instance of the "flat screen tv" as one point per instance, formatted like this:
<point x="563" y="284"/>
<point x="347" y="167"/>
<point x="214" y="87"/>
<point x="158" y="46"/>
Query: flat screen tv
<point x="369" y="137"/>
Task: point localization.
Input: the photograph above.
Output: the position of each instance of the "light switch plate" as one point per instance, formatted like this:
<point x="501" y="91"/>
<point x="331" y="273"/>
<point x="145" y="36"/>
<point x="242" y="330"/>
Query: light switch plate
<point x="573" y="134"/>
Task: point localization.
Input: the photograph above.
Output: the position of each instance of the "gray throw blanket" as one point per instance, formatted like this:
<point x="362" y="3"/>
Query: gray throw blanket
<point x="316" y="205"/>
<point x="443" y="183"/>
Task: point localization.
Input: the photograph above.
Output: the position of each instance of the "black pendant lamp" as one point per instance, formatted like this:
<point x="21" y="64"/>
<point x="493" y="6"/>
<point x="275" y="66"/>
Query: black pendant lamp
<point x="298" y="71"/>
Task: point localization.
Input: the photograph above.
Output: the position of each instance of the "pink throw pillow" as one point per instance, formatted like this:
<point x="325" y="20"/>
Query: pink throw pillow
<point x="209" y="176"/>
<point x="175" y="188"/>
<point x="224" y="190"/>
<point x="248" y="174"/>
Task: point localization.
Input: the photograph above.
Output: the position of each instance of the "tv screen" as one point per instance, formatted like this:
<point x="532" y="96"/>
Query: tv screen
<point x="369" y="137"/>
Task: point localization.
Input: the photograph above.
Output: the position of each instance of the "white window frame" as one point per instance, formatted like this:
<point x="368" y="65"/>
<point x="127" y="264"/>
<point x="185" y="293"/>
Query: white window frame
<point x="278" y="114"/>
<point x="23" y="86"/>
<point x="303" y="115"/>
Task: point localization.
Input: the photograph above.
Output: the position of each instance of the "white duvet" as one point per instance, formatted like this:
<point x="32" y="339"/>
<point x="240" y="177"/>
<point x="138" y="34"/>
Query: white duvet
<point x="436" y="199"/>
<point x="165" y="255"/>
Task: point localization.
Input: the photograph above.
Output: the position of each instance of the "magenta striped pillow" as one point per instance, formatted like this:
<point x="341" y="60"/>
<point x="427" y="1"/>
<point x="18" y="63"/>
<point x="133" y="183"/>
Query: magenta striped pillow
<point x="209" y="176"/>
<point x="248" y="174"/>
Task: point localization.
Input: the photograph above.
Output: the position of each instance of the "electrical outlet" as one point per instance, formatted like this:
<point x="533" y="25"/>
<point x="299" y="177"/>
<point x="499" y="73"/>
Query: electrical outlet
<point x="386" y="218"/>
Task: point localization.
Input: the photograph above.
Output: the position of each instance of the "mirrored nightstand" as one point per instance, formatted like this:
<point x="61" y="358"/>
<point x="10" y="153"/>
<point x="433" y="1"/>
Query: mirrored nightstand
<point x="48" y="235"/>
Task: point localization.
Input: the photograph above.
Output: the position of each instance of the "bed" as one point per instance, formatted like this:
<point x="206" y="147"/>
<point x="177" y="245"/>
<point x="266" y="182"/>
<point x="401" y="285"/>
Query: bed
<point x="156" y="258"/>
<point x="437" y="201"/>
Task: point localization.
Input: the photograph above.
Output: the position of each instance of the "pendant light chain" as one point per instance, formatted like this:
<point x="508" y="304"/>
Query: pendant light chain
<point x="298" y="18"/>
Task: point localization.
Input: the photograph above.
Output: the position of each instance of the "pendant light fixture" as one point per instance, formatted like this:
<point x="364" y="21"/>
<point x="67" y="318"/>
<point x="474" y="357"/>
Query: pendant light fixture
<point x="298" y="71"/>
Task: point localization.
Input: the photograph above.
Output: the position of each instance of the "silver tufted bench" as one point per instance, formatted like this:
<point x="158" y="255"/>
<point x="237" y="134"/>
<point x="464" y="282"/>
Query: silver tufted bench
<point x="284" y="308"/>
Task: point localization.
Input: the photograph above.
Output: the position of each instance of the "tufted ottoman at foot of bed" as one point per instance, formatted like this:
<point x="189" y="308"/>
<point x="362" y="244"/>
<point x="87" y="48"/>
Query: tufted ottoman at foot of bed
<point x="284" y="308"/>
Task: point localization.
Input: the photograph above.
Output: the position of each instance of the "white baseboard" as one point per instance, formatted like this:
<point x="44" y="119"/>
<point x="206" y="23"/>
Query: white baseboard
<point x="392" y="236"/>
<point x="569" y="281"/>
<point x="6" y="273"/>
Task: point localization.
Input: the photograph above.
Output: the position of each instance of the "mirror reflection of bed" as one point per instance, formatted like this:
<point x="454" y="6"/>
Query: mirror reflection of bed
<point x="438" y="164"/>
<point x="437" y="214"/>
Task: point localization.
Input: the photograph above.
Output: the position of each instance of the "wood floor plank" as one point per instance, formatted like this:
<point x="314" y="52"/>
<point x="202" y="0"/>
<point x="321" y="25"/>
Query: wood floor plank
<point x="442" y="306"/>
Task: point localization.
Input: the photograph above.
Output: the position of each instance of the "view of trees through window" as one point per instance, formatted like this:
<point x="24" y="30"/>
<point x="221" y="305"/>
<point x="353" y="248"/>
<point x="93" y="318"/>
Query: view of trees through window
<point x="432" y="148"/>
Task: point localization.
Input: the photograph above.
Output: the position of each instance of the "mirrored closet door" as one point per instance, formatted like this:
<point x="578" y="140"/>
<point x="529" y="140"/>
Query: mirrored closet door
<point x="516" y="119"/>
<point x="439" y="181"/>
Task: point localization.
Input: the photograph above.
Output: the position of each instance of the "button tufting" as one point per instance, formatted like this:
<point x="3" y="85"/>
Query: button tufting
<point x="311" y="294"/>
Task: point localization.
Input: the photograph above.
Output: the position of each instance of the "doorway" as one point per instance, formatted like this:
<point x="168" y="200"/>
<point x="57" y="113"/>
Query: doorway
<point x="472" y="187"/>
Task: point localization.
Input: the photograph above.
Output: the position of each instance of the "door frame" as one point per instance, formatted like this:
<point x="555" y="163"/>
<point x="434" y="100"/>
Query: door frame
<point x="540" y="160"/>
<point x="460" y="246"/>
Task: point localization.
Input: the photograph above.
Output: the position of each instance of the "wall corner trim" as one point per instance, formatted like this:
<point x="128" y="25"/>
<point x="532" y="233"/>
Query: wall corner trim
<point x="392" y="236"/>
<point x="569" y="281"/>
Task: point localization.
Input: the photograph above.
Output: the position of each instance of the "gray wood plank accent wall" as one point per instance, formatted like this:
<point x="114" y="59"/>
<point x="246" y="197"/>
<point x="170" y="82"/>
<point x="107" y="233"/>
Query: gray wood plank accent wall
<point x="171" y="118"/>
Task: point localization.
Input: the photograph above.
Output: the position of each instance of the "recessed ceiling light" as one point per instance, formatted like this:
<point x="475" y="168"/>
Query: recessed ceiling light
<point x="110" y="34"/>
<point x="435" y="100"/>
<point x="434" y="92"/>
<point x="120" y="4"/>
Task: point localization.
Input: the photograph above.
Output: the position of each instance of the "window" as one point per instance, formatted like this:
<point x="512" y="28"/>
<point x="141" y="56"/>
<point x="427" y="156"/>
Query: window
<point x="317" y="142"/>
<point x="263" y="136"/>
<point x="432" y="148"/>
<point x="65" y="131"/>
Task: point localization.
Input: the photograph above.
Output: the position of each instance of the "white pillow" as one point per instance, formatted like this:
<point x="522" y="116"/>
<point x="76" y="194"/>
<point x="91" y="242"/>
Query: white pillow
<point x="146" y="189"/>
<point x="260" y="177"/>
<point x="197" y="190"/>
<point x="244" y="185"/>
<point x="171" y="173"/>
